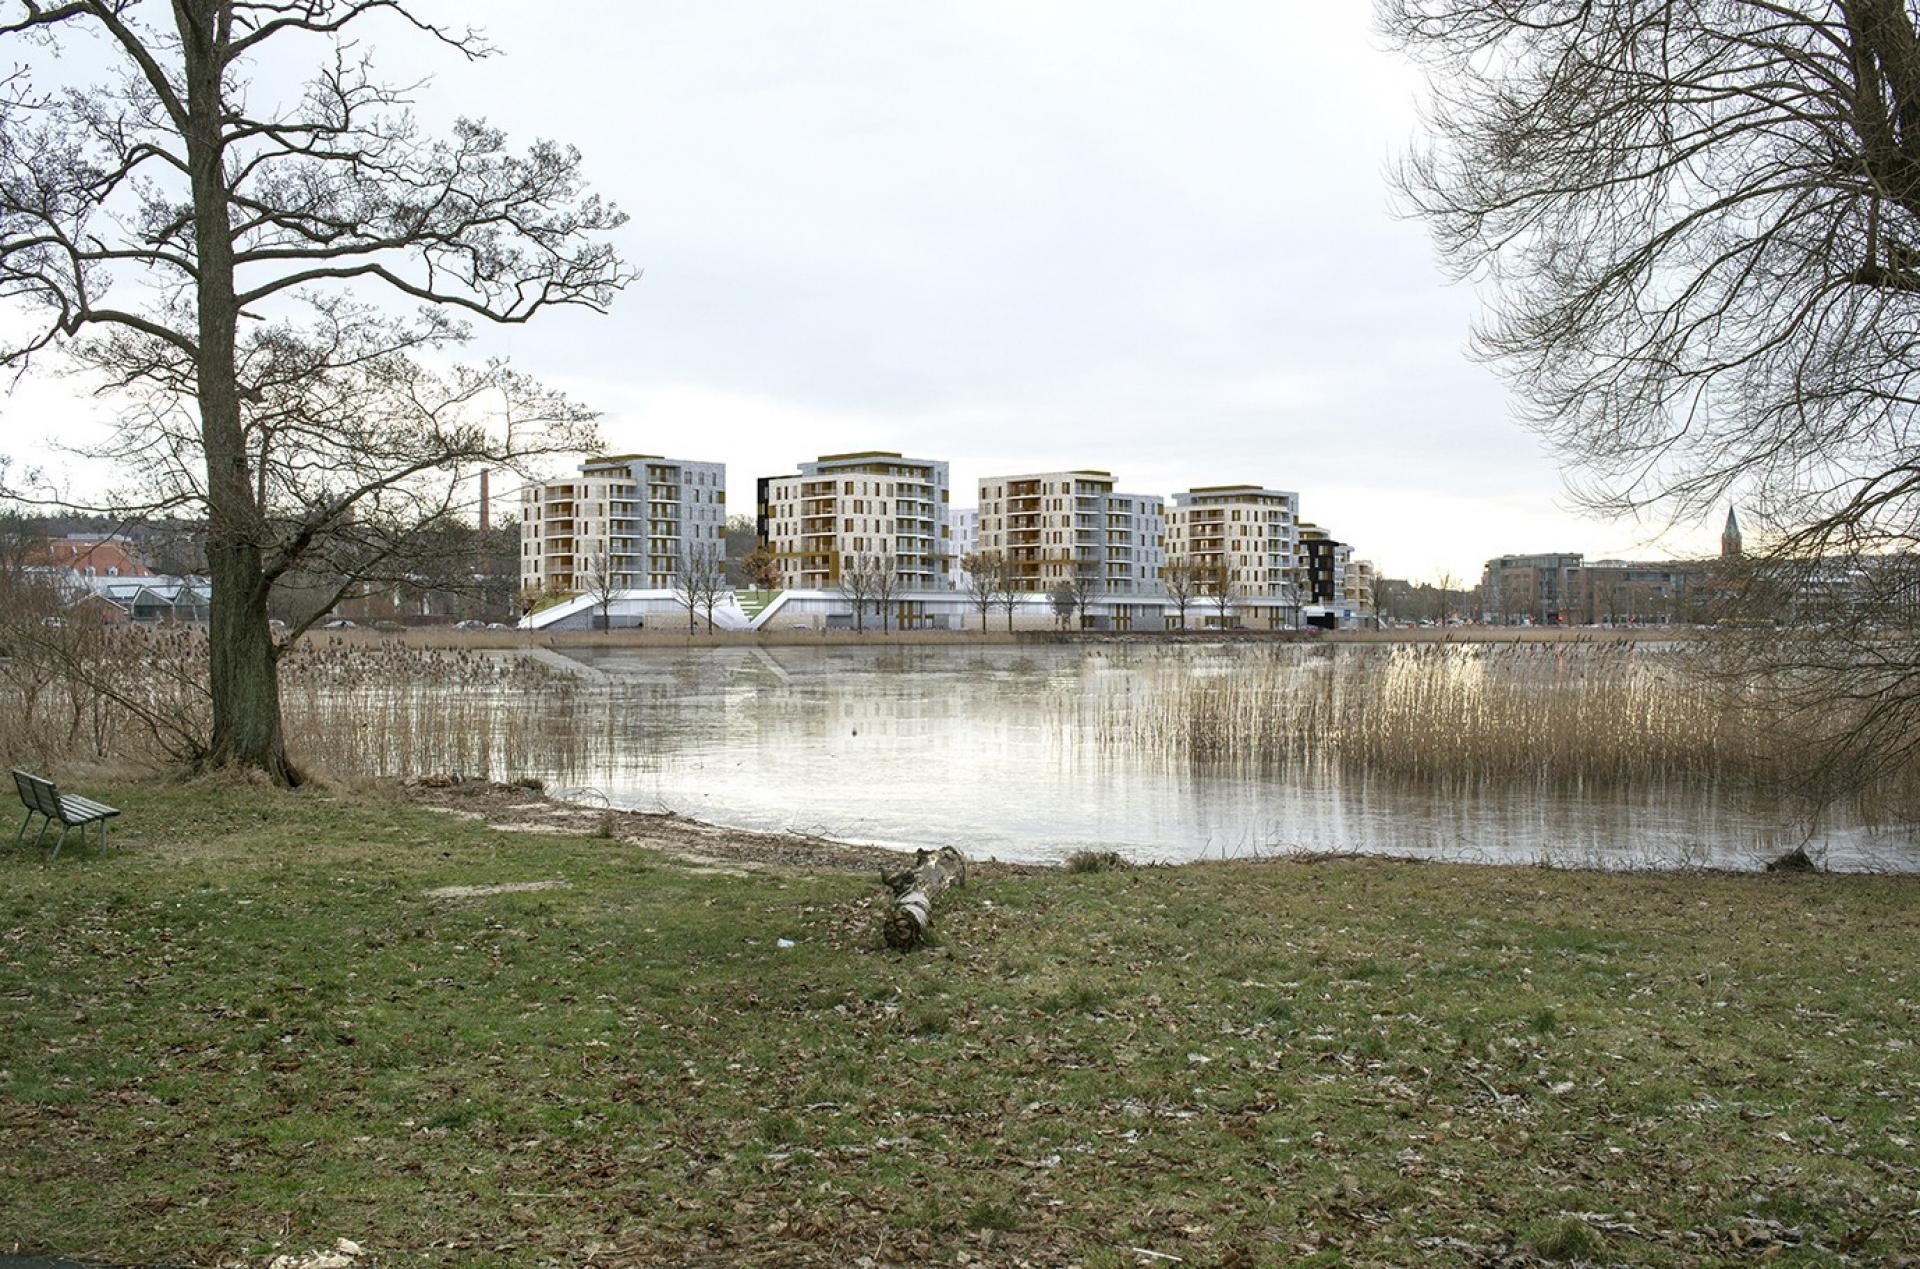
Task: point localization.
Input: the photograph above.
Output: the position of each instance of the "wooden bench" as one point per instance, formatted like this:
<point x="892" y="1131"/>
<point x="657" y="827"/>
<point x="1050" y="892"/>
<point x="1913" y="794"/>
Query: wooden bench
<point x="41" y="798"/>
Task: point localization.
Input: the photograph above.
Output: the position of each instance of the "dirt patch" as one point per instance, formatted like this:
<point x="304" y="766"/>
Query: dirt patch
<point x="505" y="887"/>
<point x="706" y="846"/>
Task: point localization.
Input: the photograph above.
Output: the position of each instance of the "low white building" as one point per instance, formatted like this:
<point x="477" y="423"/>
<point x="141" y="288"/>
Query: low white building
<point x="822" y="610"/>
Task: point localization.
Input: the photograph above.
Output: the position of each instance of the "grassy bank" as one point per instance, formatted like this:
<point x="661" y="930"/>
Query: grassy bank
<point x="255" y="1031"/>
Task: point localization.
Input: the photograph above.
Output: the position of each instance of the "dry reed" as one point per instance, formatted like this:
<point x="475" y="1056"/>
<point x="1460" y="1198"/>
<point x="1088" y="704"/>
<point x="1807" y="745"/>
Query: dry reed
<point x="1570" y="715"/>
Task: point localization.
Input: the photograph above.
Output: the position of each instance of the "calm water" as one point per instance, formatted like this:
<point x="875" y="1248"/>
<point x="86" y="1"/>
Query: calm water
<point x="979" y="748"/>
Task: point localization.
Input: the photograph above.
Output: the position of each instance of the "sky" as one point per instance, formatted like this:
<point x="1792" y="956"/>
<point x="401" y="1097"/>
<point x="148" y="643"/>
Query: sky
<point x="1147" y="238"/>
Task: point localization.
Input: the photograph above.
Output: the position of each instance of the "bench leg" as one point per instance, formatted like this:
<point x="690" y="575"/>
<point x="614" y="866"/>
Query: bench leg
<point x="41" y="836"/>
<point x="21" y="835"/>
<point x="64" y="829"/>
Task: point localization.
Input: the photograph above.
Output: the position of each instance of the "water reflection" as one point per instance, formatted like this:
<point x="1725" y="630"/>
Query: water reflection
<point x="992" y="751"/>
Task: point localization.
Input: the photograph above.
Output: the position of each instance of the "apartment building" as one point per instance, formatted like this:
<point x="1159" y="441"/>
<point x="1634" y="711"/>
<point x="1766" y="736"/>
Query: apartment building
<point x="1071" y="526"/>
<point x="1245" y="539"/>
<point x="1317" y="575"/>
<point x="1358" y="589"/>
<point x="633" y="517"/>
<point x="872" y="504"/>
<point x="966" y="540"/>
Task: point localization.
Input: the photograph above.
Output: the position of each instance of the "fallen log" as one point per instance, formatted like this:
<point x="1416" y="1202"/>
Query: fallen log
<point x="914" y="890"/>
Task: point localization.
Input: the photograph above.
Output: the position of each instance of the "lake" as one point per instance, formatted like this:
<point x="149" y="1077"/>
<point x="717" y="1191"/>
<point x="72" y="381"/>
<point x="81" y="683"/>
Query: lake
<point x="1012" y="752"/>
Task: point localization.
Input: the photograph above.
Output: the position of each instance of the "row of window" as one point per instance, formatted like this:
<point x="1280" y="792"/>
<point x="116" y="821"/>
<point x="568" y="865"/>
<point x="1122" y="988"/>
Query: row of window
<point x="1185" y="515"/>
<point x="790" y="488"/>
<point x="853" y="524"/>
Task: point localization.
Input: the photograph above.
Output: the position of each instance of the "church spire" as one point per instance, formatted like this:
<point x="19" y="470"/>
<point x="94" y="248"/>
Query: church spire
<point x="1730" y="536"/>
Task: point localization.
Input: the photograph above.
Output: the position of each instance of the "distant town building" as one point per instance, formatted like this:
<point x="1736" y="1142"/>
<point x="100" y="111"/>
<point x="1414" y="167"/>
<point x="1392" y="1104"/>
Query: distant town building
<point x="91" y="555"/>
<point x="1243" y="540"/>
<point x="1529" y="589"/>
<point x="874" y="504"/>
<point x="628" y="519"/>
<point x="148" y="599"/>
<point x="1071" y="526"/>
<point x="1630" y="592"/>
<point x="1567" y="589"/>
<point x="107" y="577"/>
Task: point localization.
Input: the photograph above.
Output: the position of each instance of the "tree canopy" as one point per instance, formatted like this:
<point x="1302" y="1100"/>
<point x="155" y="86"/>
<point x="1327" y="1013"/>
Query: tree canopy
<point x="272" y="285"/>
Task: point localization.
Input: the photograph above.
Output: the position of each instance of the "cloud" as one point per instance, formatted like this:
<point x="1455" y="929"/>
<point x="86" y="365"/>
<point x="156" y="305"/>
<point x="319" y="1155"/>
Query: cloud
<point x="1148" y="238"/>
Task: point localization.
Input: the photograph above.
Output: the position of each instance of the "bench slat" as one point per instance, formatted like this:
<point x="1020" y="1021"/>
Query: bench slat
<point x="40" y="796"/>
<point x="37" y="794"/>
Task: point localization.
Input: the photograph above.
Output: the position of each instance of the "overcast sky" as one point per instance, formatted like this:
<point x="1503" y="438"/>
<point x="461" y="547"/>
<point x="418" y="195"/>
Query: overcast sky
<point x="1148" y="238"/>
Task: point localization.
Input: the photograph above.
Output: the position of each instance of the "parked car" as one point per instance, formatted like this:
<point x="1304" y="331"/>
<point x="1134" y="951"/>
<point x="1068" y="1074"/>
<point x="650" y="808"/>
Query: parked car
<point x="498" y="625"/>
<point x="471" y="623"/>
<point x="340" y="623"/>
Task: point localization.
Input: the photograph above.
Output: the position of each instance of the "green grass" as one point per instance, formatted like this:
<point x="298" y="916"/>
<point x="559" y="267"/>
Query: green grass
<point x="248" y="1031"/>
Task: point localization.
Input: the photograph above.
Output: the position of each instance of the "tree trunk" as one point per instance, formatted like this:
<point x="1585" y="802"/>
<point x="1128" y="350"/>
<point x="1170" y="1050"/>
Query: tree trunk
<point x="915" y="890"/>
<point x="244" y="674"/>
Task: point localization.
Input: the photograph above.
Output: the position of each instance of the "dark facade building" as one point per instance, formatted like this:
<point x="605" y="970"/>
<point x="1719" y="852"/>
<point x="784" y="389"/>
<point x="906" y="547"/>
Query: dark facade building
<point x="1536" y="589"/>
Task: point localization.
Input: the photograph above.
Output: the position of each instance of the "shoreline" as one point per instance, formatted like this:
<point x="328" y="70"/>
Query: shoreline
<point x="521" y="807"/>
<point x="526" y="641"/>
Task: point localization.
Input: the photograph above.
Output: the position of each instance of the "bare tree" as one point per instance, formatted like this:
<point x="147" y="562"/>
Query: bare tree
<point x="700" y="580"/>
<point x="29" y="601"/>
<point x="1216" y="585"/>
<point x="986" y="573"/>
<point x="856" y="587"/>
<point x="1701" y="223"/>
<point x="530" y="597"/>
<point x="599" y="580"/>
<point x="1444" y="585"/>
<point x="143" y="217"/>
<point x="1181" y="577"/>
<point x="1065" y="601"/>
<point x="1291" y="606"/>
<point x="1087" y="586"/>
<point x="710" y="576"/>
<point x="1007" y="592"/>
<point x="884" y="585"/>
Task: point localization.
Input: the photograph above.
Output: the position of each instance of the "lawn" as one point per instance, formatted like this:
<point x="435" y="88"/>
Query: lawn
<point x="250" y="1030"/>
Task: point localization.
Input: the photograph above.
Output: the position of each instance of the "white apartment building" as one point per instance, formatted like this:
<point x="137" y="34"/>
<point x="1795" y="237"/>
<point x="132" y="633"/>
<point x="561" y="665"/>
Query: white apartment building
<point x="1357" y="591"/>
<point x="1056" y="527"/>
<point x="1242" y="540"/>
<point x="966" y="540"/>
<point x="845" y="507"/>
<point x="633" y="517"/>
<point x="966" y="531"/>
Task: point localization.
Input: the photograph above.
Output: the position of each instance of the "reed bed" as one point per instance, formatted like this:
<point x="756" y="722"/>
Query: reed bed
<point x="1572" y="715"/>
<point x="351" y="708"/>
